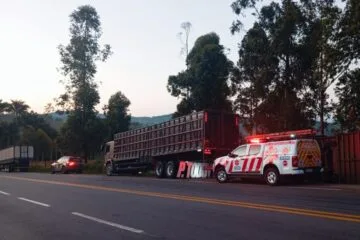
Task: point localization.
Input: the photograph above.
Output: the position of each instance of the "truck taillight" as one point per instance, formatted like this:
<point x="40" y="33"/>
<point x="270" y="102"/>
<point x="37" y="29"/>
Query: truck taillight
<point x="236" y="121"/>
<point x="206" y="117"/>
<point x="207" y="151"/>
<point x="295" y="161"/>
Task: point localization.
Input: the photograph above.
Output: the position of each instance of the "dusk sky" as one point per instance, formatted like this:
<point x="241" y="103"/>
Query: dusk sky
<point x="143" y="36"/>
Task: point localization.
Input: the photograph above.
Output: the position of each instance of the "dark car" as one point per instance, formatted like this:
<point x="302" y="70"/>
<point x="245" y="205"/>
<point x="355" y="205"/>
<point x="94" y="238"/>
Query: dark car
<point x="67" y="164"/>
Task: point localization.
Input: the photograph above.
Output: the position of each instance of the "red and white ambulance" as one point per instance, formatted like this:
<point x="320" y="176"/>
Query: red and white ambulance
<point x="272" y="156"/>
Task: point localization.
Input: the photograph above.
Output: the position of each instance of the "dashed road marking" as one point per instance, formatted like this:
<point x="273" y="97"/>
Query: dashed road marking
<point x="34" y="202"/>
<point x="122" y="227"/>
<point x="4" y="193"/>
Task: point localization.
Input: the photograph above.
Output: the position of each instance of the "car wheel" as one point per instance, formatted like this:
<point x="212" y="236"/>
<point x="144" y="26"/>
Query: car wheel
<point x="221" y="175"/>
<point x="63" y="170"/>
<point x="272" y="176"/>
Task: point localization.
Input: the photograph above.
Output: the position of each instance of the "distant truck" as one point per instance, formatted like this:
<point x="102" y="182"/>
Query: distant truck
<point x="16" y="158"/>
<point x="182" y="147"/>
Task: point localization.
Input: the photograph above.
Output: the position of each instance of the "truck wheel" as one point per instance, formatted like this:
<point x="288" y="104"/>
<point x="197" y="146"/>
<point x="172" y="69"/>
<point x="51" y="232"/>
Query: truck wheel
<point x="221" y="175"/>
<point x="159" y="169"/>
<point x="171" y="168"/>
<point x="272" y="176"/>
<point x="109" y="169"/>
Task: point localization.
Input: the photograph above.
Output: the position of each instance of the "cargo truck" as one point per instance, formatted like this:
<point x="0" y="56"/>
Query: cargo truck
<point x="16" y="158"/>
<point x="181" y="147"/>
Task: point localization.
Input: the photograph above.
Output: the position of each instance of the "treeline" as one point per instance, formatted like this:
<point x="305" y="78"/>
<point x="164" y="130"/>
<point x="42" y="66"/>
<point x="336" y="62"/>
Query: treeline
<point x="18" y="126"/>
<point x="290" y="58"/>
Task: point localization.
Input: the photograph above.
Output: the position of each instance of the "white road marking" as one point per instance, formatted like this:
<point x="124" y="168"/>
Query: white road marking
<point x="108" y="223"/>
<point x="315" y="188"/>
<point x="34" y="202"/>
<point x="5" y="193"/>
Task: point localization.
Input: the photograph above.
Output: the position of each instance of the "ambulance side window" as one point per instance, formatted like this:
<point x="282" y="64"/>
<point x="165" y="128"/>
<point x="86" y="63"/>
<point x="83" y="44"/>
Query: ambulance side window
<point x="240" y="151"/>
<point x="254" y="149"/>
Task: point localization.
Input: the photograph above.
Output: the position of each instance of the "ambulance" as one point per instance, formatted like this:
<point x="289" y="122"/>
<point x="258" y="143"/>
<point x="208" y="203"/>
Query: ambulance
<point x="273" y="157"/>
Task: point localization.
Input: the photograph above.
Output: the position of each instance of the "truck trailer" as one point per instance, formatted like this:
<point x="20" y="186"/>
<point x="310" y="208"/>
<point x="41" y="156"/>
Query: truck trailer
<point x="181" y="147"/>
<point x="16" y="158"/>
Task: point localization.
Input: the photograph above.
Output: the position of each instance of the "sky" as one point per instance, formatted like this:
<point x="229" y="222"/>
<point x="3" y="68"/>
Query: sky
<point x="142" y="34"/>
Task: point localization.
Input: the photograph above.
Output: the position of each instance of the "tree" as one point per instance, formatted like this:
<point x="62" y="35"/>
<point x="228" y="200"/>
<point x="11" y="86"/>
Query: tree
<point x="186" y="26"/>
<point x="79" y="59"/>
<point x="348" y="107"/>
<point x="349" y="34"/>
<point x="205" y="83"/>
<point x="256" y="70"/>
<point x="320" y="54"/>
<point x="49" y="108"/>
<point x="42" y="143"/>
<point x="9" y="134"/>
<point x="117" y="114"/>
<point x="75" y="138"/>
<point x="38" y="122"/>
<point x="4" y="106"/>
<point x="18" y="108"/>
<point x="238" y="8"/>
<point x="285" y="105"/>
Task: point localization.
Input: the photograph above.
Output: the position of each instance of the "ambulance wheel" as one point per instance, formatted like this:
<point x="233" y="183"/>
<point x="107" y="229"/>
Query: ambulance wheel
<point x="221" y="175"/>
<point x="160" y="169"/>
<point x="171" y="169"/>
<point x="272" y="176"/>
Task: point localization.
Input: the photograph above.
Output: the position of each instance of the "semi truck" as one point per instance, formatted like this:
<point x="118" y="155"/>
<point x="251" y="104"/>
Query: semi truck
<point x="16" y="158"/>
<point x="183" y="147"/>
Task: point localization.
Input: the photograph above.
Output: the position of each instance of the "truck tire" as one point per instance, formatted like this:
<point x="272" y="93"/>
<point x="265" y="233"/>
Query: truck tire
<point x="221" y="175"/>
<point x="171" y="169"/>
<point x="272" y="176"/>
<point x="109" y="169"/>
<point x="160" y="169"/>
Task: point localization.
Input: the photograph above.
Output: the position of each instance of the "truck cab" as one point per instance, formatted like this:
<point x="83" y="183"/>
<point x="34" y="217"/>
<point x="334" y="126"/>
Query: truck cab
<point x="272" y="157"/>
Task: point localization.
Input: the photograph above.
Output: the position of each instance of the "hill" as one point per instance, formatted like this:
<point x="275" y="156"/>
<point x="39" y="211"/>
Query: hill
<point x="56" y="120"/>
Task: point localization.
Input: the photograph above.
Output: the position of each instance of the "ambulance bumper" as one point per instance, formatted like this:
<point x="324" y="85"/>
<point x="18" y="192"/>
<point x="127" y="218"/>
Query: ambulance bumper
<point x="307" y="171"/>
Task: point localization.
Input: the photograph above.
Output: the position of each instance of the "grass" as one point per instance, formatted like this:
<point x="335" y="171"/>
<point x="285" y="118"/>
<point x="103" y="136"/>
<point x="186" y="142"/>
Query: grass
<point x="92" y="167"/>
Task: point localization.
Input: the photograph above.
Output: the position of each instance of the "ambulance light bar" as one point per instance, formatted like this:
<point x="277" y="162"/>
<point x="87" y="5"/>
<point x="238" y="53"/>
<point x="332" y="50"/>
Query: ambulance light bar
<point x="280" y="135"/>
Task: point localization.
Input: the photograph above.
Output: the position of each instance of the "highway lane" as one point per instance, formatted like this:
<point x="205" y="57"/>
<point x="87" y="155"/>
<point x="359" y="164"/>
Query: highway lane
<point x="170" y="209"/>
<point x="23" y="220"/>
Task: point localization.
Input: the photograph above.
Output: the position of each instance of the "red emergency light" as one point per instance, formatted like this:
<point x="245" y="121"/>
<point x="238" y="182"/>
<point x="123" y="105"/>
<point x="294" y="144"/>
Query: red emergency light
<point x="281" y="136"/>
<point x="207" y="151"/>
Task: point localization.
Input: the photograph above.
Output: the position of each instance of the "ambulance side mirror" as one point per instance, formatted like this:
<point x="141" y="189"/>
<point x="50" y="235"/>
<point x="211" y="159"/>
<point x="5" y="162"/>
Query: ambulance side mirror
<point x="232" y="155"/>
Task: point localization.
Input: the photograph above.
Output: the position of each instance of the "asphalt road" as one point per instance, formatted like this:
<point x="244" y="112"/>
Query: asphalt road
<point x="43" y="206"/>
